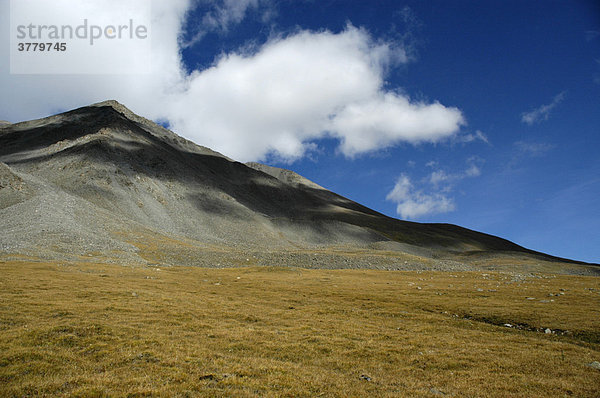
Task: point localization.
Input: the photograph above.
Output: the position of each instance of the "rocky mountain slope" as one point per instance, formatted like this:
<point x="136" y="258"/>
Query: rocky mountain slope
<point x="102" y="183"/>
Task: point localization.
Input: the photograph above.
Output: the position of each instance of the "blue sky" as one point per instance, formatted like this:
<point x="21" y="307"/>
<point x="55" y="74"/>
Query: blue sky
<point x="483" y="114"/>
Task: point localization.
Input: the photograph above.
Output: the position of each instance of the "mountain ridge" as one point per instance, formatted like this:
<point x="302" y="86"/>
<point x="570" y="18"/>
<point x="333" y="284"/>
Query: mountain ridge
<point x="132" y="175"/>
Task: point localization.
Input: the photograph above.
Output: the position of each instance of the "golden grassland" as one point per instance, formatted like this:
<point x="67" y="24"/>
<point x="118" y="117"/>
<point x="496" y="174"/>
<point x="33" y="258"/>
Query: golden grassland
<point x="98" y="330"/>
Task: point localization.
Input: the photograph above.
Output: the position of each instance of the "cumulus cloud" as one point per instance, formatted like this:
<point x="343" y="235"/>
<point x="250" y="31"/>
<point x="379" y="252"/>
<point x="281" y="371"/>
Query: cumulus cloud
<point x="300" y="88"/>
<point x="413" y="203"/>
<point x="543" y="112"/>
<point x="282" y="97"/>
<point x="386" y="119"/>
<point x="277" y="101"/>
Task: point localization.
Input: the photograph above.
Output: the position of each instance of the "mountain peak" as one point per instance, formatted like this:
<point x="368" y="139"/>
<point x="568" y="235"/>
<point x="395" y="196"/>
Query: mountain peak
<point x="110" y="102"/>
<point x="119" y="107"/>
<point x="157" y="130"/>
<point x="23" y="140"/>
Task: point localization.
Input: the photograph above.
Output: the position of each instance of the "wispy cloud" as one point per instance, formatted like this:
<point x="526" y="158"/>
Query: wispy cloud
<point x="412" y="203"/>
<point x="223" y="15"/>
<point x="228" y="12"/>
<point x="432" y="195"/>
<point x="439" y="177"/>
<point x="473" y="171"/>
<point x="532" y="149"/>
<point x="542" y="113"/>
<point x="526" y="150"/>
<point x="472" y="137"/>
<point x="409" y="32"/>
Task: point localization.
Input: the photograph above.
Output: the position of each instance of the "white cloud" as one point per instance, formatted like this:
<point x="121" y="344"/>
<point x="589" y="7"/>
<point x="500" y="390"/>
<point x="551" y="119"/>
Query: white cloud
<point x="543" y="112"/>
<point x="228" y="12"/>
<point x="438" y="177"/>
<point x="386" y="119"/>
<point x="223" y="14"/>
<point x="474" y="164"/>
<point x="277" y="101"/>
<point x="472" y="137"/>
<point x="473" y="171"/>
<point x="413" y="203"/>
<point x="524" y="150"/>
<point x="282" y="97"/>
<point x="434" y="195"/>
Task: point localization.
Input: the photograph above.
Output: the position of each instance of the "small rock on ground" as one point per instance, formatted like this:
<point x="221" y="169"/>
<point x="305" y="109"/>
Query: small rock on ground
<point x="595" y="365"/>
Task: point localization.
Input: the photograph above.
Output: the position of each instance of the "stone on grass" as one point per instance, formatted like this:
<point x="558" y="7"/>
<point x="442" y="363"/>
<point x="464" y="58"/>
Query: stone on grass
<point x="595" y="365"/>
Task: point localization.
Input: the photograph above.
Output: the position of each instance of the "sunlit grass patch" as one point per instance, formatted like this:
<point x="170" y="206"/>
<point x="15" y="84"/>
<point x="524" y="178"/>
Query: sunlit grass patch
<point x="81" y="329"/>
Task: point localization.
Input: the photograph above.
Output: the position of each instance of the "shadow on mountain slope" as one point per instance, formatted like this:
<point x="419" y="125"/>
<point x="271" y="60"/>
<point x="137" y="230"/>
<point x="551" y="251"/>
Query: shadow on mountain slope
<point x="139" y="170"/>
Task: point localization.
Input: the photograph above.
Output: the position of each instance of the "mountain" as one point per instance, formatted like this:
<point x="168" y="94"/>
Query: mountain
<point x="103" y="184"/>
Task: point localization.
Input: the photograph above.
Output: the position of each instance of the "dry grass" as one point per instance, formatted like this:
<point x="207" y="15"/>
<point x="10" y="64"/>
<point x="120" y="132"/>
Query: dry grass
<point x="100" y="330"/>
